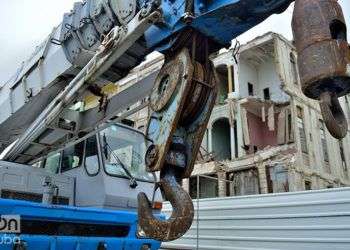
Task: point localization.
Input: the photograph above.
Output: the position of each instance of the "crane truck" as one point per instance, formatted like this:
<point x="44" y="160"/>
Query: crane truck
<point x="80" y="179"/>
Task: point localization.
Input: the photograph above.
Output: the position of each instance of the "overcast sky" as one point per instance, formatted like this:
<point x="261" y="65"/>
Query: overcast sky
<point x="26" y="23"/>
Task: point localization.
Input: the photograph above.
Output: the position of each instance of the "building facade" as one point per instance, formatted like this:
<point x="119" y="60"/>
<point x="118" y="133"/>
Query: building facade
<point x="264" y="135"/>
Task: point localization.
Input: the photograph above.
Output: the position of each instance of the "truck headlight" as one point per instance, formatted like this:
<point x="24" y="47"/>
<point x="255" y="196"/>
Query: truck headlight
<point x="140" y="233"/>
<point x="146" y="247"/>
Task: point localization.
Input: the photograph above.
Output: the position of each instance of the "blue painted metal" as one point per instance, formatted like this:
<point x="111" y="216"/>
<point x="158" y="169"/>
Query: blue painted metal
<point x="39" y="242"/>
<point x="40" y="212"/>
<point x="221" y="20"/>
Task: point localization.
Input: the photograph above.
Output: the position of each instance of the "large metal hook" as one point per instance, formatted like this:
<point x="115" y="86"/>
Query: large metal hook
<point x="333" y="115"/>
<point x="181" y="218"/>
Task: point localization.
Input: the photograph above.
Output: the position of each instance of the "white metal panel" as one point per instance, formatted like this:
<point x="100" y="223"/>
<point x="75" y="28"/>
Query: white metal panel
<point x="27" y="179"/>
<point x="5" y="108"/>
<point x="18" y="97"/>
<point x="317" y="220"/>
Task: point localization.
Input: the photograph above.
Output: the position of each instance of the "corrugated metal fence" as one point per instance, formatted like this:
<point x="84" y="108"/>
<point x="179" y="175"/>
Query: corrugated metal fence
<point x="317" y="220"/>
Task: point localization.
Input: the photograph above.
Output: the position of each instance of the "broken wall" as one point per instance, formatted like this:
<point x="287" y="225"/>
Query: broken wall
<point x="268" y="78"/>
<point x="260" y="135"/>
<point x="246" y="74"/>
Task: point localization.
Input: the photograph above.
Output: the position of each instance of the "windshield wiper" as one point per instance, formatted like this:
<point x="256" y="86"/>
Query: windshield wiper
<point x="107" y="147"/>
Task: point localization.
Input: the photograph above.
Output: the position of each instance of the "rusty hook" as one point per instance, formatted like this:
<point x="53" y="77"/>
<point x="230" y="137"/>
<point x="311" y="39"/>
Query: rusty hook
<point x="333" y="115"/>
<point x="181" y="218"/>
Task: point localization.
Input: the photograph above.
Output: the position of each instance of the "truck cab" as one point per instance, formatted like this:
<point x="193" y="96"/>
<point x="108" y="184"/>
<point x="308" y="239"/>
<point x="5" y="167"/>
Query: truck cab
<point x="108" y="167"/>
<point x="93" y="184"/>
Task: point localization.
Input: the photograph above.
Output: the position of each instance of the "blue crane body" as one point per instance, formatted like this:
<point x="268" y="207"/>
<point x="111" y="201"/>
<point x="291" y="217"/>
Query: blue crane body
<point x="106" y="218"/>
<point x="186" y="32"/>
<point x="220" y="20"/>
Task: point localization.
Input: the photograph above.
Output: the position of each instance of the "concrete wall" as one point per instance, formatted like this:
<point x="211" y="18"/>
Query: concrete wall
<point x="268" y="78"/>
<point x="247" y="73"/>
<point x="263" y="76"/>
<point x="317" y="166"/>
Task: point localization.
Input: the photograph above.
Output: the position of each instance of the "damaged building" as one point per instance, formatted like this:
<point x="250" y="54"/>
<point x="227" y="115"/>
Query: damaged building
<point x="264" y="135"/>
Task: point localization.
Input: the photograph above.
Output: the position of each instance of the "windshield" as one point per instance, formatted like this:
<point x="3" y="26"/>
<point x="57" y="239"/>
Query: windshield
<point x="129" y="147"/>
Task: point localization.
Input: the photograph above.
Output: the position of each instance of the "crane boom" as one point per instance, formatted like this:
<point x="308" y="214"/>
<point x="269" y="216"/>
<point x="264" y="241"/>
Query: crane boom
<point x="116" y="43"/>
<point x="68" y="49"/>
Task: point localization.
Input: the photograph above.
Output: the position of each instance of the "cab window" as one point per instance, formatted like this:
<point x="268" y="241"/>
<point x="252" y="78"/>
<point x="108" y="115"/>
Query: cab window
<point x="38" y="164"/>
<point x="91" y="156"/>
<point x="125" y="146"/>
<point x="52" y="163"/>
<point x="72" y="157"/>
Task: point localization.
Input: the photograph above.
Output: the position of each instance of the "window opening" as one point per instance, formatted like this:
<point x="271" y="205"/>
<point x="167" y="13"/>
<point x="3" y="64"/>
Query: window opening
<point x="324" y="146"/>
<point x="72" y="157"/>
<point x="308" y="185"/>
<point x="250" y="89"/>
<point x="91" y="156"/>
<point x="267" y="94"/>
<point x="52" y="163"/>
<point x="301" y="128"/>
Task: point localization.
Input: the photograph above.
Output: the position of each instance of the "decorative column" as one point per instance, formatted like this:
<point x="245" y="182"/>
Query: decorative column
<point x="222" y="183"/>
<point x="315" y="182"/>
<point x="186" y="185"/>
<point x="230" y="79"/>
<point x="240" y="139"/>
<point x="262" y="178"/>
<point x="232" y="141"/>
<point x="210" y="140"/>
<point x="292" y="180"/>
